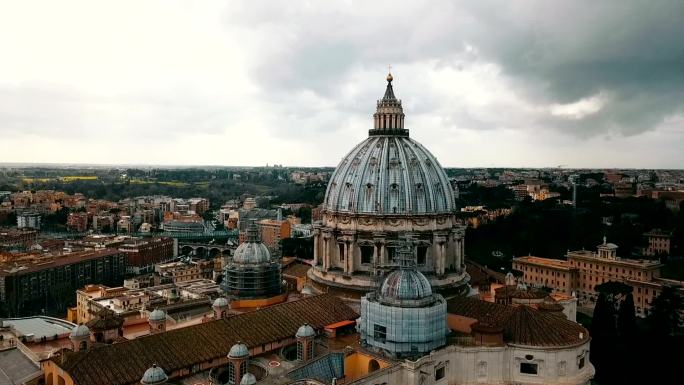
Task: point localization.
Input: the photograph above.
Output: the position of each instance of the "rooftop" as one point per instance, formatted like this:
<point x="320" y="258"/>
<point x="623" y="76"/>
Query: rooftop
<point x="39" y="326"/>
<point x="125" y="362"/>
<point x="522" y="325"/>
<point x="37" y="262"/>
<point x="16" y="368"/>
<point x="546" y="262"/>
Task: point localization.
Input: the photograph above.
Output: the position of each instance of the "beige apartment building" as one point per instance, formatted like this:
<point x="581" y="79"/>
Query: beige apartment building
<point x="553" y="273"/>
<point x="582" y="270"/>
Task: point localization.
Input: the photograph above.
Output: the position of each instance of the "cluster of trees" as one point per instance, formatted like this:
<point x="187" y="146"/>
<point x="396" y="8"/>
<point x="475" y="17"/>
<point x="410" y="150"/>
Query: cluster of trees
<point x="548" y="229"/>
<point x="626" y="351"/>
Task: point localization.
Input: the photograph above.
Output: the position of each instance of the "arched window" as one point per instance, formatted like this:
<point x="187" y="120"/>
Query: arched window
<point x="300" y="351"/>
<point x="373" y="365"/>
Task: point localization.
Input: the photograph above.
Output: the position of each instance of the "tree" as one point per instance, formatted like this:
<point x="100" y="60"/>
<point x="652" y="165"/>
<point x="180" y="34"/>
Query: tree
<point x="626" y="320"/>
<point x="603" y="321"/>
<point x="664" y="316"/>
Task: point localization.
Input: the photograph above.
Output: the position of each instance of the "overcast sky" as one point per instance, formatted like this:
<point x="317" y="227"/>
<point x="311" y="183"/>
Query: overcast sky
<point x="484" y="83"/>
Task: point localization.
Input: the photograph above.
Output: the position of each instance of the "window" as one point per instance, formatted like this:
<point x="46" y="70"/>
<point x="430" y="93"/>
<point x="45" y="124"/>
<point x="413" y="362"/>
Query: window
<point x="439" y="373"/>
<point x="379" y="333"/>
<point x="580" y="363"/>
<point x="528" y="368"/>
<point x="366" y="254"/>
<point x="340" y="247"/>
<point x="422" y="253"/>
<point x="391" y="254"/>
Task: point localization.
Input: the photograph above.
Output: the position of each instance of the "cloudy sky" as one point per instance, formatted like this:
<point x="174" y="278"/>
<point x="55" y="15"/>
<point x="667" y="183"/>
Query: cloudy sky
<point x="484" y="83"/>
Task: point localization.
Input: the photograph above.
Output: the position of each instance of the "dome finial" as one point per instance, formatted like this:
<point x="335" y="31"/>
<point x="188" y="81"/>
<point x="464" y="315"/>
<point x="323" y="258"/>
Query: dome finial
<point x="389" y="74"/>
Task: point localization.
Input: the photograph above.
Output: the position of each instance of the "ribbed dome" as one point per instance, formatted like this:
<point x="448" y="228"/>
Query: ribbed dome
<point x="248" y="379"/>
<point x="305" y="331"/>
<point x="154" y="375"/>
<point x="79" y="331"/>
<point x="405" y="284"/>
<point x="238" y="350"/>
<point x="157" y="315"/>
<point x="220" y="302"/>
<point x="389" y="173"/>
<point x="252" y="251"/>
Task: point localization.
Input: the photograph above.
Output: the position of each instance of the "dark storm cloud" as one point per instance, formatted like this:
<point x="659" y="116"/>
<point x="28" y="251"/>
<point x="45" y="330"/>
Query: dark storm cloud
<point x="557" y="52"/>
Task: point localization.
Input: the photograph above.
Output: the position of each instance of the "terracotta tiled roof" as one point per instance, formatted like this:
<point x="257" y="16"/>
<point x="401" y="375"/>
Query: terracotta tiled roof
<point x="125" y="363"/>
<point x="482" y="275"/>
<point x="296" y="270"/>
<point x="530" y="327"/>
<point x="519" y="293"/>
<point x="522" y="325"/>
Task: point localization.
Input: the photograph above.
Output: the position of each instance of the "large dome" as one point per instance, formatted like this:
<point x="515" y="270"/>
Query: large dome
<point x="389" y="173"/>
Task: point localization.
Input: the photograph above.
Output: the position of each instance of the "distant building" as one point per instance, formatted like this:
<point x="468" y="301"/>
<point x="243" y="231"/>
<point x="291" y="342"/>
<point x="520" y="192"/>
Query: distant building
<point x="31" y="283"/>
<point x="180" y="272"/>
<point x="273" y="230"/>
<point x="658" y="242"/>
<point x="143" y="254"/>
<point x="583" y="270"/>
<point x="249" y="203"/>
<point x="184" y="227"/>
<point x="11" y="238"/>
<point x="545" y="272"/>
<point x="28" y="220"/>
<point x="78" y="222"/>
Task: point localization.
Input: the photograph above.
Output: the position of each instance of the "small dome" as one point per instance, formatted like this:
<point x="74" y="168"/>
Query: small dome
<point x="79" y="331"/>
<point x="252" y="251"/>
<point x="157" y="315"/>
<point x="220" y="302"/>
<point x="405" y="284"/>
<point x="154" y="375"/>
<point x="238" y="350"/>
<point x="305" y="331"/>
<point x="248" y="379"/>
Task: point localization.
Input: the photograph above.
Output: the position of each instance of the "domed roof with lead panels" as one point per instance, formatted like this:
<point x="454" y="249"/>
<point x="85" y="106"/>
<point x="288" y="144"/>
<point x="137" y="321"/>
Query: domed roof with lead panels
<point x="220" y="302"/>
<point x="305" y="331"/>
<point x="389" y="173"/>
<point x="252" y="251"/>
<point x="79" y="331"/>
<point x="405" y="284"/>
<point x="157" y="315"/>
<point x="248" y="379"/>
<point x="154" y="375"/>
<point x="239" y="350"/>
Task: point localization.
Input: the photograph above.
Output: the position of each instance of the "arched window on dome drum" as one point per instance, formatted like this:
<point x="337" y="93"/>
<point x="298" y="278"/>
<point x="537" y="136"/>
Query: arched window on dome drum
<point x="83" y="345"/>
<point x="366" y="254"/>
<point x="421" y="255"/>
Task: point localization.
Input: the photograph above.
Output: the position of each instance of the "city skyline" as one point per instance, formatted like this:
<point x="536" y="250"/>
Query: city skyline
<point x="576" y="84"/>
